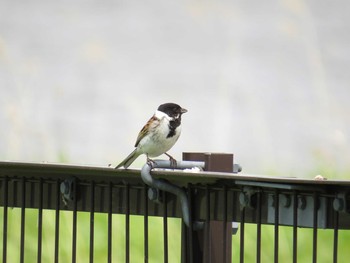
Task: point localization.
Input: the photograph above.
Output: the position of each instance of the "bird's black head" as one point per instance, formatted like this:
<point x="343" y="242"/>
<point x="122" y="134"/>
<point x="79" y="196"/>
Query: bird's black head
<point x="172" y="110"/>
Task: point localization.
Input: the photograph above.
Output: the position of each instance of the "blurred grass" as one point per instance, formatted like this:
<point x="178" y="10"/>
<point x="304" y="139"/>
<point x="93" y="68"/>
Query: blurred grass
<point x="305" y="237"/>
<point x="324" y="249"/>
<point x="83" y="237"/>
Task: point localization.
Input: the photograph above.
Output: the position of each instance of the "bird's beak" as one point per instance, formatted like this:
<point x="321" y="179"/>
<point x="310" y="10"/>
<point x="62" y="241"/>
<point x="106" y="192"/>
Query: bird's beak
<point x="183" y="110"/>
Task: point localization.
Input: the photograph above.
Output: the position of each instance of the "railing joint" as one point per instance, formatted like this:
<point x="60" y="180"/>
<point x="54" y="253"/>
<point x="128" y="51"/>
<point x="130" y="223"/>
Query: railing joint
<point x="67" y="190"/>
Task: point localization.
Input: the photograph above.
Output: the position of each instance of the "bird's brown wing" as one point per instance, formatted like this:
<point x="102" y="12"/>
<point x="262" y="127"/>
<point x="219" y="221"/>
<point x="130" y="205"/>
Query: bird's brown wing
<point x="152" y="123"/>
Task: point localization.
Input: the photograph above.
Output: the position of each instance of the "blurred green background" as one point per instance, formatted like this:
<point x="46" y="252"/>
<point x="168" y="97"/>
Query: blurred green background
<point x="324" y="249"/>
<point x="267" y="81"/>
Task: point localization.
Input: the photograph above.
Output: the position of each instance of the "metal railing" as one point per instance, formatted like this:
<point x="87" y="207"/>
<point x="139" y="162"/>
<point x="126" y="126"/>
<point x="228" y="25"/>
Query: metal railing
<point x="208" y="201"/>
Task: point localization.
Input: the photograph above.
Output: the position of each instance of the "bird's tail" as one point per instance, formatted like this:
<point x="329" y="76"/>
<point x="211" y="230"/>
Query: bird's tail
<point x="128" y="160"/>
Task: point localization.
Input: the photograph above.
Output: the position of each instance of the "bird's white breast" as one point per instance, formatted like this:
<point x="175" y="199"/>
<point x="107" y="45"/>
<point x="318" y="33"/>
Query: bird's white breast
<point x="156" y="142"/>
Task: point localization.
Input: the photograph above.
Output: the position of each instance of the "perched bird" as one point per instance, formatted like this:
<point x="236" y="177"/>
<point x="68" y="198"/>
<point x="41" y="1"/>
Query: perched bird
<point x="158" y="135"/>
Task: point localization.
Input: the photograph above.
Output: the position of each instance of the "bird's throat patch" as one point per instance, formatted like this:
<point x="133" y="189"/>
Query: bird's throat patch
<point x="172" y="127"/>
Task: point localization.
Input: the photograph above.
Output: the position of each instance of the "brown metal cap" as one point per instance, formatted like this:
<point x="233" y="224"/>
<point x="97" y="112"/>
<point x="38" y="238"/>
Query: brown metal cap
<point x="214" y="162"/>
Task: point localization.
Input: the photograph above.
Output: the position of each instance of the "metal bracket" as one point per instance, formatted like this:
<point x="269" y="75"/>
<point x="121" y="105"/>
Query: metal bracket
<point x="67" y="190"/>
<point x="304" y="208"/>
<point x="247" y="198"/>
<point x="340" y="203"/>
<point x="155" y="195"/>
<point x="162" y="185"/>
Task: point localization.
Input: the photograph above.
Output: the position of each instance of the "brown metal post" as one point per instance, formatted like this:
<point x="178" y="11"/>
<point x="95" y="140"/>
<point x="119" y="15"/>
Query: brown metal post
<point x="213" y="243"/>
<point x="214" y="162"/>
<point x="217" y="244"/>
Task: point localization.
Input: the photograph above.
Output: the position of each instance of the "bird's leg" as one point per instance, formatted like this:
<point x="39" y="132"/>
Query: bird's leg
<point x="150" y="162"/>
<point x="173" y="162"/>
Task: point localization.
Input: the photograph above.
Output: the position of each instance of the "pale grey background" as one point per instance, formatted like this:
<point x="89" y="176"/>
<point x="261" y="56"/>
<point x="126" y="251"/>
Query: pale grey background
<point x="266" y="80"/>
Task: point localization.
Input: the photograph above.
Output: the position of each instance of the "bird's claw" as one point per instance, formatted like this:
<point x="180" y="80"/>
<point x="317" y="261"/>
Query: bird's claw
<point x="173" y="162"/>
<point x="150" y="162"/>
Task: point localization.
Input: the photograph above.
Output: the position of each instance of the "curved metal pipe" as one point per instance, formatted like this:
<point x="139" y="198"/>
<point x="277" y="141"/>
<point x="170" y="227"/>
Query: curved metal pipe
<point x="171" y="188"/>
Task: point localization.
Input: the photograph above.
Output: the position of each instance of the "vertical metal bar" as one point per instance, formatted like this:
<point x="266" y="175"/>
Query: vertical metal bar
<point x="40" y="219"/>
<point x="207" y="250"/>
<point x="74" y="228"/>
<point x="165" y="227"/>
<point x="145" y="222"/>
<point x="23" y="218"/>
<point x="92" y="219"/>
<point x="335" y="237"/>
<point x="4" y="231"/>
<point x="224" y="228"/>
<point x="127" y="223"/>
<point x="241" y="249"/>
<point x="57" y="220"/>
<point x="258" y="228"/>
<point x="184" y="243"/>
<point x="315" y="219"/>
<point x="110" y="198"/>
<point x="190" y="228"/>
<point x="295" y="227"/>
<point x="276" y="226"/>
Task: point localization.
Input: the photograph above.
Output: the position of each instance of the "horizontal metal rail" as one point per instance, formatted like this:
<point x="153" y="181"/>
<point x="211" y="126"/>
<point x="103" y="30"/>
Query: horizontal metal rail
<point x="238" y="190"/>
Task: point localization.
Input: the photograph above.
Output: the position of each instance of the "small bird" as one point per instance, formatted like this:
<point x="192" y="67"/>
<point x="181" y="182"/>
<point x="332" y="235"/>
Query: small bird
<point x="158" y="135"/>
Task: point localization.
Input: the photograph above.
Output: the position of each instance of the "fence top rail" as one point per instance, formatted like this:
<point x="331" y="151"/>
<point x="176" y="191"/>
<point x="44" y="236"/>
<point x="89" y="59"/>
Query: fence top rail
<point x="99" y="173"/>
<point x="236" y="190"/>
